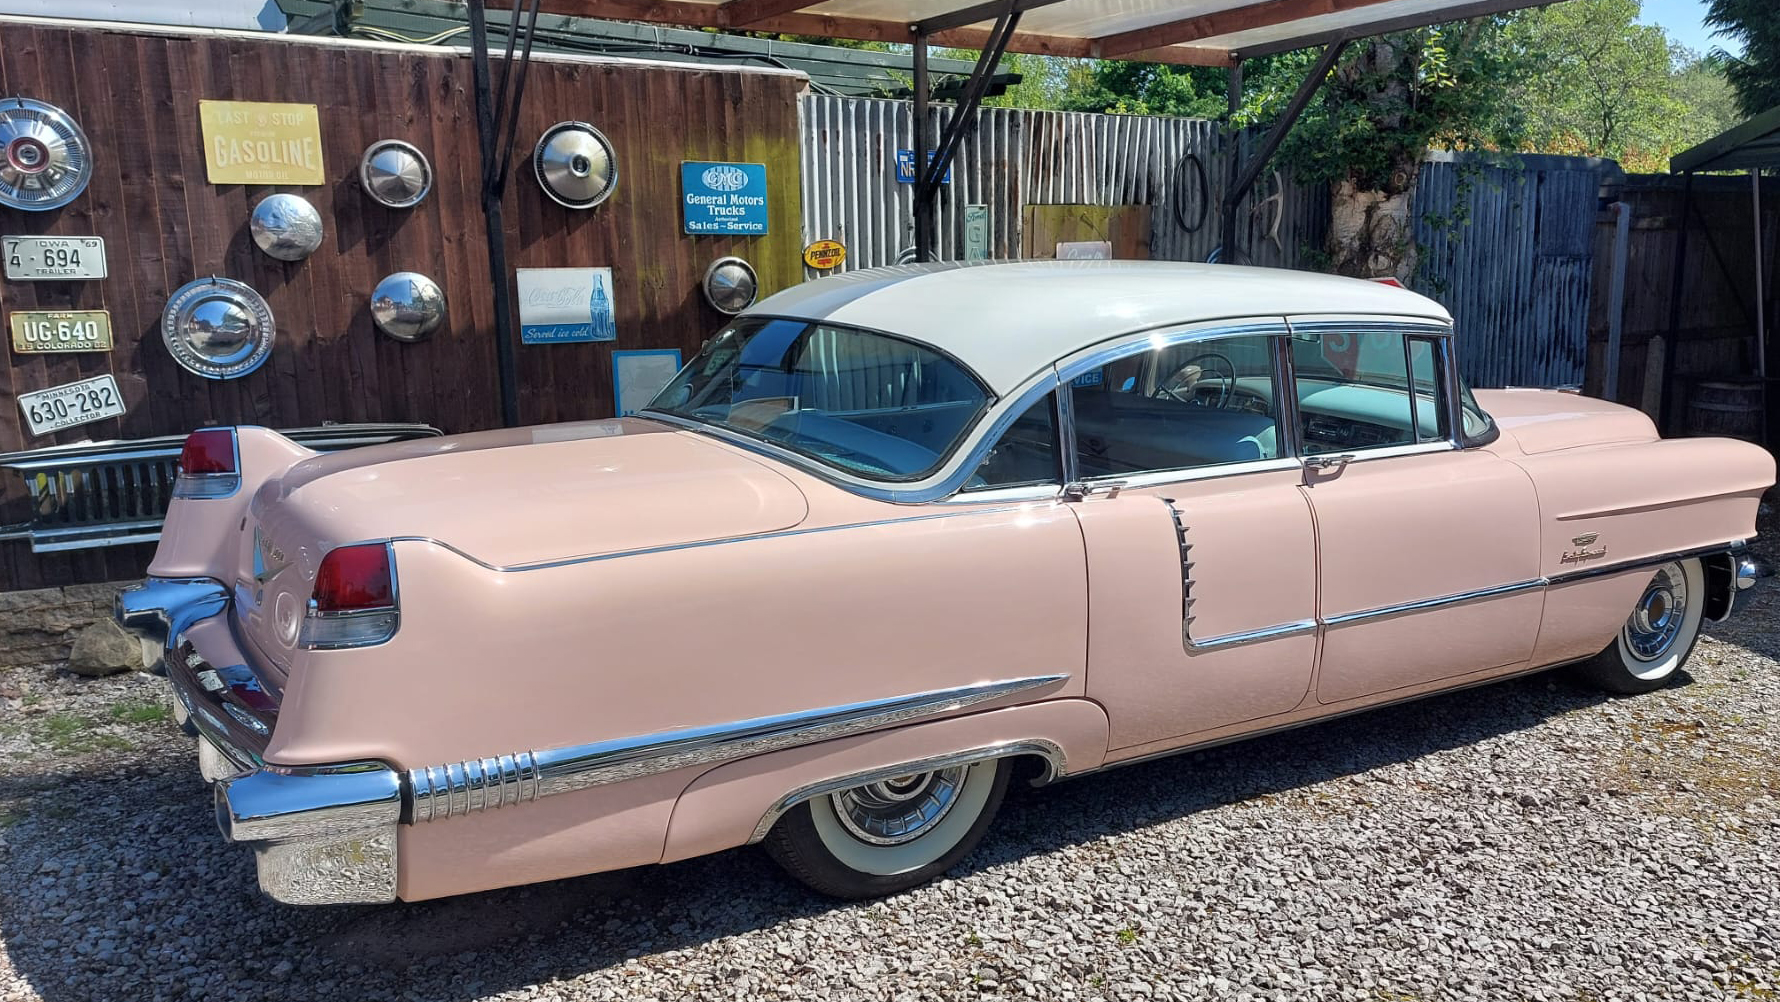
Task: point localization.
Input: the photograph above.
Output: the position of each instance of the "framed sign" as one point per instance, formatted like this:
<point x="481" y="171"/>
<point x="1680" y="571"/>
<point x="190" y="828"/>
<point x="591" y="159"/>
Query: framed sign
<point x="566" y="305"/>
<point x="976" y="233"/>
<point x="37" y="332"/>
<point x="48" y="259"/>
<point x="722" y="198"/>
<point x="637" y="376"/>
<point x="255" y="142"/>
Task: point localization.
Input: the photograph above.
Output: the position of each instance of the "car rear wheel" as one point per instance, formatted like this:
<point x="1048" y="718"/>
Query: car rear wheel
<point x="1657" y="637"/>
<point x="888" y="836"/>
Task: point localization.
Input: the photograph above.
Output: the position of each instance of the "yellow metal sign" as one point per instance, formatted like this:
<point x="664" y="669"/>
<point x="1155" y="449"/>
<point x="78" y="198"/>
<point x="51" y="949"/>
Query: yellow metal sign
<point x="823" y="255"/>
<point x="253" y="142"/>
<point x="38" y="331"/>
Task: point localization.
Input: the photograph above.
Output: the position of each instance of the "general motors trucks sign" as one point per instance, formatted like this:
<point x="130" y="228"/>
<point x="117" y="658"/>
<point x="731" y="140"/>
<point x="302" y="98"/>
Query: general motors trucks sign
<point x="724" y="199"/>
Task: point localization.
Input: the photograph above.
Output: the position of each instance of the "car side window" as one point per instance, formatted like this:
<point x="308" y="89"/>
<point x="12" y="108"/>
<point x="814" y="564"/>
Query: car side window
<point x="1178" y="407"/>
<point x="1026" y="453"/>
<point x="1355" y="391"/>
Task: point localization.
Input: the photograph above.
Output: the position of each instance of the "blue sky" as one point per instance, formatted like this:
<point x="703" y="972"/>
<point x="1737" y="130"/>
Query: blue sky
<point x="1681" y="18"/>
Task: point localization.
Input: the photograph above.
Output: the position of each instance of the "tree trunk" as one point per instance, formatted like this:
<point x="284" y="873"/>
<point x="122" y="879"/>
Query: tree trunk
<point x="1371" y="234"/>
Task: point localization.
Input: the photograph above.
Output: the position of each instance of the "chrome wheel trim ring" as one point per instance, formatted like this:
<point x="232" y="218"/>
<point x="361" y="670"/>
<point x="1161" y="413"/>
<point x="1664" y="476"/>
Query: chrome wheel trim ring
<point x="898" y="810"/>
<point x="1658" y="617"/>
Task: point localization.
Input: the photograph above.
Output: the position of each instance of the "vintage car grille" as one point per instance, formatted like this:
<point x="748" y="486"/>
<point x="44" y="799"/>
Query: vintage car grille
<point x="109" y="494"/>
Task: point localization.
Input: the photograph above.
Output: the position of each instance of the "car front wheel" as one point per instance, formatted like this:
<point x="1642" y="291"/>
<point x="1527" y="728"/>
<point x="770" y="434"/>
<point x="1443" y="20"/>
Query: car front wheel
<point x="891" y="835"/>
<point x="1657" y="637"/>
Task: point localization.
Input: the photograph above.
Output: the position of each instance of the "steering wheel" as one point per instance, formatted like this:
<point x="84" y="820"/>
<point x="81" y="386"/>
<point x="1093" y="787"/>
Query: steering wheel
<point x="1185" y="379"/>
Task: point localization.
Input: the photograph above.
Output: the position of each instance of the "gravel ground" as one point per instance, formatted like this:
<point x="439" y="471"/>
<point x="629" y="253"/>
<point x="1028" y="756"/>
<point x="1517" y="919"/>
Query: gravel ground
<point x="1525" y="840"/>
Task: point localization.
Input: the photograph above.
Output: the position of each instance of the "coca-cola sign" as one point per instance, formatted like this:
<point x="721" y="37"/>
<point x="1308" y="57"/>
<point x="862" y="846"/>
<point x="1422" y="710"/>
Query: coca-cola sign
<point x="566" y="305"/>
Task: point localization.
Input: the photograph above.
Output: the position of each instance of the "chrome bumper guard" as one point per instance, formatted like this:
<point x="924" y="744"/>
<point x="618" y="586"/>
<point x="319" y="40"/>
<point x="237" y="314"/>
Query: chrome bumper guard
<point x="321" y="835"/>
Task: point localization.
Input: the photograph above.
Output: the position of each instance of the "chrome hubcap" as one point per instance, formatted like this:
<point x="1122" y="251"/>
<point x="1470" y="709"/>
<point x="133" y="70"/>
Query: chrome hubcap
<point x="900" y="809"/>
<point x="1656" y="619"/>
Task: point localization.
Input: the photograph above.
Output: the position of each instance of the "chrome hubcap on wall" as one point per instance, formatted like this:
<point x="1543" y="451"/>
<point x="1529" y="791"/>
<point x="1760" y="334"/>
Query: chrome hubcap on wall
<point x="1656" y="619"/>
<point x="900" y="809"/>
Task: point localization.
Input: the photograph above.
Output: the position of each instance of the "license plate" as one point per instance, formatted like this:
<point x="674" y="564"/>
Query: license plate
<point x="71" y="404"/>
<point x="48" y="259"/>
<point x="38" y="331"/>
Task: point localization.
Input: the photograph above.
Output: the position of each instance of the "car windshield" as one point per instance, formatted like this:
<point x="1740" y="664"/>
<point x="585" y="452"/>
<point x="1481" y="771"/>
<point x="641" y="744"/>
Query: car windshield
<point x="868" y="404"/>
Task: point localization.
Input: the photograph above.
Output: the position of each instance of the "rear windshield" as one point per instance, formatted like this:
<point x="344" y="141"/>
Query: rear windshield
<point x="868" y="404"/>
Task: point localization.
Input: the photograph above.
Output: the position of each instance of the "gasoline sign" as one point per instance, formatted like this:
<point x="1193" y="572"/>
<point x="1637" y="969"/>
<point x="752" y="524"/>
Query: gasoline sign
<point x="255" y="142"/>
<point x="824" y="255"/>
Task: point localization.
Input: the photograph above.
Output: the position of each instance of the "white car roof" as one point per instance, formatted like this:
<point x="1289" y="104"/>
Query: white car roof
<point x="1009" y="320"/>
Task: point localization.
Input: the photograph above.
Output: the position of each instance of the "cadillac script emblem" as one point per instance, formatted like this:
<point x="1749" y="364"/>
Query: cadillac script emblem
<point x="1582" y="553"/>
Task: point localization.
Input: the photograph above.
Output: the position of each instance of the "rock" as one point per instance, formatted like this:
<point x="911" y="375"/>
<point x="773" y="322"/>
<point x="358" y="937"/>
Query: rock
<point x="104" y="649"/>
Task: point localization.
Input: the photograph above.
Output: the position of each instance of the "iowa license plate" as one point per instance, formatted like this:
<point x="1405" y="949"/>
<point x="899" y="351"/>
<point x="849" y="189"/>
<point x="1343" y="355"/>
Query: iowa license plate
<point x="38" y="331"/>
<point x="50" y="259"/>
<point x="70" y="404"/>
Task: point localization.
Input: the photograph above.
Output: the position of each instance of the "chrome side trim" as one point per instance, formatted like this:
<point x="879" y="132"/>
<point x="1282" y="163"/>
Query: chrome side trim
<point x="1049" y="751"/>
<point x="959" y="512"/>
<point x="1442" y="602"/>
<point x="1195" y="646"/>
<point x="461" y="788"/>
<point x="1250" y="636"/>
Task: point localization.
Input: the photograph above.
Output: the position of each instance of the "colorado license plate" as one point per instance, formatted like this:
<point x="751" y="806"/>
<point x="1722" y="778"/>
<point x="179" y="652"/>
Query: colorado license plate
<point x="48" y="259"/>
<point x="38" y="331"/>
<point x="70" y="404"/>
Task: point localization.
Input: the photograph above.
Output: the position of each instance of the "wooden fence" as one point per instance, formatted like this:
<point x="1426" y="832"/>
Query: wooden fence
<point x="136" y="94"/>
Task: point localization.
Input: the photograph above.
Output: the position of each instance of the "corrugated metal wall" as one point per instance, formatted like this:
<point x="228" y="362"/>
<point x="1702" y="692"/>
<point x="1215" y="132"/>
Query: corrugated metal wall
<point x="1508" y="250"/>
<point x="1015" y="158"/>
<point x="1505" y="248"/>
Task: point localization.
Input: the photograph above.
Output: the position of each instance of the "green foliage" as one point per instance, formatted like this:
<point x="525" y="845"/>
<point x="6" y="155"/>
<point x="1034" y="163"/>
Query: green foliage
<point x="1755" y="74"/>
<point x="1393" y="97"/>
<point x="1601" y="84"/>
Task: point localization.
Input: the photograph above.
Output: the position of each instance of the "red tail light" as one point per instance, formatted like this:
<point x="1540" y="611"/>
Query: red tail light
<point x="354" y="602"/>
<point x="211" y="450"/>
<point x="209" y="465"/>
<point x="355" y="578"/>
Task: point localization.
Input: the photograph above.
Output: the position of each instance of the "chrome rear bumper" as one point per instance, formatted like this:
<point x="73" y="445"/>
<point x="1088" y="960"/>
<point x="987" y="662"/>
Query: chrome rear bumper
<point x="320" y="834"/>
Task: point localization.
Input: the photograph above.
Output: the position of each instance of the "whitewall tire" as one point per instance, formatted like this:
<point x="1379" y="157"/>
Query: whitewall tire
<point x="1658" y="636"/>
<point x="891" y="835"/>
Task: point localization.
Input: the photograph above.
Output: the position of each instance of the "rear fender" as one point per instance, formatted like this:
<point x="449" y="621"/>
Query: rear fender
<point x="735" y="804"/>
<point x="200" y="538"/>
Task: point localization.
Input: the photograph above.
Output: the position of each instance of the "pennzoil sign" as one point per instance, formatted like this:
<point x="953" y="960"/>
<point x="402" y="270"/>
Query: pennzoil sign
<point x="824" y="255"/>
<point x="255" y="142"/>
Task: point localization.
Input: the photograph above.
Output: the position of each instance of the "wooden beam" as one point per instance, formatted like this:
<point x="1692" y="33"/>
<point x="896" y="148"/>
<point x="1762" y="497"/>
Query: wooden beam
<point x="1224" y="22"/>
<point x="677" y="12"/>
<point x="741" y="13"/>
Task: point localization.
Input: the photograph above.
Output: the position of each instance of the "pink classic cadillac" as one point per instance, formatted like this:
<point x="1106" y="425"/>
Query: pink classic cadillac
<point x="890" y="537"/>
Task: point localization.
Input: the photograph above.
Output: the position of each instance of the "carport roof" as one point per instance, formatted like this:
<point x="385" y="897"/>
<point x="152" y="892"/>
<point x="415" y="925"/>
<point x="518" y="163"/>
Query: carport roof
<point x="1755" y="143"/>
<point x="1197" y="32"/>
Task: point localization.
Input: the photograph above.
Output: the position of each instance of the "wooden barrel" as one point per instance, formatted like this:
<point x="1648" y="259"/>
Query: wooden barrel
<point x="1730" y="408"/>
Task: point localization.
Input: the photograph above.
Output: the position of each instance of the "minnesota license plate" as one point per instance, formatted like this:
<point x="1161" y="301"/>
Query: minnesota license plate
<point x="71" y="404"/>
<point x="48" y="259"/>
<point x="38" y="331"/>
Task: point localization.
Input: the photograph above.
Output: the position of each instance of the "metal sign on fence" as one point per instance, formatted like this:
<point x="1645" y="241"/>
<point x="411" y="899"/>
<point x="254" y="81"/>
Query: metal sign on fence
<point x="905" y="167"/>
<point x="723" y="198"/>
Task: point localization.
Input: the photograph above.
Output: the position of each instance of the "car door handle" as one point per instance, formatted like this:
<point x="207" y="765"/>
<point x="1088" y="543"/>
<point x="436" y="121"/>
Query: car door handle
<point x="1328" y="462"/>
<point x="1078" y="490"/>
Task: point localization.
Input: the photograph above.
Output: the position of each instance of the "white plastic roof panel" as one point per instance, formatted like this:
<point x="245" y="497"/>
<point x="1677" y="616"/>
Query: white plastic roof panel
<point x="1204" y="32"/>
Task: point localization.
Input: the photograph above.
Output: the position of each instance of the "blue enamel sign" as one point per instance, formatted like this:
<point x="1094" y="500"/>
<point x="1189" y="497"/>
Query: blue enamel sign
<point x="905" y="167"/>
<point x="727" y="199"/>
